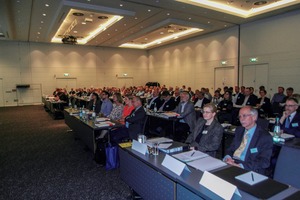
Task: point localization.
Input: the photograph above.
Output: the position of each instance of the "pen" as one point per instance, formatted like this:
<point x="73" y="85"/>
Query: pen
<point x="252" y="176"/>
<point x="193" y="153"/>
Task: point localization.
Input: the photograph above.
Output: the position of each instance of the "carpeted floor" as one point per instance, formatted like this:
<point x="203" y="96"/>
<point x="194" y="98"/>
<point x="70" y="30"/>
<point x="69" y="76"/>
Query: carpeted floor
<point x="39" y="159"/>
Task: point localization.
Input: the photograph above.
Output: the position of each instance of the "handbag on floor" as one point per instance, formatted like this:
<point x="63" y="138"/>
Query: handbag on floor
<point x="112" y="156"/>
<point x="100" y="155"/>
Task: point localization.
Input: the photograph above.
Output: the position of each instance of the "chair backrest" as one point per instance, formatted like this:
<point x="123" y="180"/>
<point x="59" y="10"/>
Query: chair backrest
<point x="264" y="123"/>
<point x="287" y="168"/>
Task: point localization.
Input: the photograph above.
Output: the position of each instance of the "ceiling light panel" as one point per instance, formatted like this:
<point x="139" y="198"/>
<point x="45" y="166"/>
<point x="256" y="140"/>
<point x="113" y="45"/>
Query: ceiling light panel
<point x="165" y="34"/>
<point x="244" y="9"/>
<point x="87" y="24"/>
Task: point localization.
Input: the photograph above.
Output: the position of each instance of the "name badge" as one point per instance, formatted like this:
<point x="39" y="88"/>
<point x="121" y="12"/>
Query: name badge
<point x="204" y="132"/>
<point x="127" y="124"/>
<point x="253" y="150"/>
<point x="295" y="124"/>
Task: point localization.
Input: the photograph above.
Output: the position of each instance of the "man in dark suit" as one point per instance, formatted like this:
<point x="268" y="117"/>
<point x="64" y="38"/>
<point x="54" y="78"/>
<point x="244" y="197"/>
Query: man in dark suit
<point x="290" y="120"/>
<point x="200" y="100"/>
<point x="252" y="145"/>
<point x="169" y="102"/>
<point x="238" y="97"/>
<point x="135" y="121"/>
<point x="155" y="101"/>
<point x="177" y="96"/>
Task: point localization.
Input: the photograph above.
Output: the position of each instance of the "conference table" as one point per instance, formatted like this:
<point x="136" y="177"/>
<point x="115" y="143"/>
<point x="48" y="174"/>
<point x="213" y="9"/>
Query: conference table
<point x="146" y="175"/>
<point x="87" y="130"/>
<point x="55" y="108"/>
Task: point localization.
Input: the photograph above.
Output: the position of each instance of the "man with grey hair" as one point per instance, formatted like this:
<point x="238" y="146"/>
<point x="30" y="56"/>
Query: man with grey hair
<point x="252" y="145"/>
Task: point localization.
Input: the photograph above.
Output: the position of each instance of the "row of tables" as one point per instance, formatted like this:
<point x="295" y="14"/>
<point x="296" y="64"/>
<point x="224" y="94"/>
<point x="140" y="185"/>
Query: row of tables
<point x="150" y="179"/>
<point x="146" y="175"/>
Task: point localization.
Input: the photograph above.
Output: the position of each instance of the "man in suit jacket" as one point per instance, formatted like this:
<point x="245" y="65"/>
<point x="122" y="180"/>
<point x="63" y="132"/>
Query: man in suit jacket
<point x="177" y="96"/>
<point x="238" y="97"/>
<point x="169" y="102"/>
<point x="290" y="120"/>
<point x="200" y="100"/>
<point x="208" y="132"/>
<point x="155" y="101"/>
<point x="135" y="121"/>
<point x="186" y="110"/>
<point x="253" y="153"/>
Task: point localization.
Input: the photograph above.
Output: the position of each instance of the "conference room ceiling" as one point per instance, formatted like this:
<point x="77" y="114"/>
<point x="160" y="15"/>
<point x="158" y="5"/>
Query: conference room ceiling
<point x="142" y="24"/>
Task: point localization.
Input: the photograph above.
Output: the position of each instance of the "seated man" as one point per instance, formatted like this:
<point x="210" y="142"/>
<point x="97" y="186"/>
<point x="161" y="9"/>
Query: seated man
<point x="107" y="105"/>
<point x="169" y="102"/>
<point x="187" y="116"/>
<point x="252" y="145"/>
<point x="208" y="132"/>
<point x="134" y="123"/>
<point x="290" y="120"/>
<point x="155" y="101"/>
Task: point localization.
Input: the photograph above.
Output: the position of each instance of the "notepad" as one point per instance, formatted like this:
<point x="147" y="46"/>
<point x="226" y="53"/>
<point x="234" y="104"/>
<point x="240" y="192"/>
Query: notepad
<point x="251" y="178"/>
<point x="190" y="155"/>
<point x="125" y="144"/>
<point x="101" y="119"/>
<point x="207" y="163"/>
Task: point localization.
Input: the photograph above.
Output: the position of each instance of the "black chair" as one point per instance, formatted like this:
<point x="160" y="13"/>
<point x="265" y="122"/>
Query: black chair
<point x="264" y="123"/>
<point x="287" y="168"/>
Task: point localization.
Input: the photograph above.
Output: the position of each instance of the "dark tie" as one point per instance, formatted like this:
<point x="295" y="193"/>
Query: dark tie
<point x="287" y="122"/>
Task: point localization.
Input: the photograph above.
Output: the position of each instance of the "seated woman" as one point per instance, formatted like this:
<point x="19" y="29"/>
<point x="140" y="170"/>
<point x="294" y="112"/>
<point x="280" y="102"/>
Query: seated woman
<point x="208" y="132"/>
<point x="95" y="103"/>
<point x="128" y="108"/>
<point x="117" y="111"/>
<point x="225" y="109"/>
<point x="263" y="105"/>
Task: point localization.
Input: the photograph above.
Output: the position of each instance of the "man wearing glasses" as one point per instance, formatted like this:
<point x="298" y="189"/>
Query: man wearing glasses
<point x="252" y="145"/>
<point x="290" y="120"/>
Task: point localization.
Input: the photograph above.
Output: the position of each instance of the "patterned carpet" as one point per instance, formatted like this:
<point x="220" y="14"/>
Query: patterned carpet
<point x="39" y="159"/>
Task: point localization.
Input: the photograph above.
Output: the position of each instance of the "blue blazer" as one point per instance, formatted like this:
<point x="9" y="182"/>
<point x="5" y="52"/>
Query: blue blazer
<point x="294" y="127"/>
<point x="259" y="152"/>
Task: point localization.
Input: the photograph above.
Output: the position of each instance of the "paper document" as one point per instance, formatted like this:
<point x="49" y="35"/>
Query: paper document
<point x="164" y="145"/>
<point x="159" y="140"/>
<point x="251" y="178"/>
<point x="102" y="119"/>
<point x="207" y="163"/>
<point x="104" y="124"/>
<point x="284" y="135"/>
<point x="190" y="155"/>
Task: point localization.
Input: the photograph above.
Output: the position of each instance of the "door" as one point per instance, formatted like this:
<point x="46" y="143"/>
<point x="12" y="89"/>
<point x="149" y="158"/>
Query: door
<point x="66" y="83"/>
<point x="224" y="76"/>
<point x="256" y="76"/>
<point x="1" y="93"/>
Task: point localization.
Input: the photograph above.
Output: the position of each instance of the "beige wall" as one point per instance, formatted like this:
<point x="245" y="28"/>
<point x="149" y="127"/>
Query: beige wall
<point x="193" y="62"/>
<point x="40" y="63"/>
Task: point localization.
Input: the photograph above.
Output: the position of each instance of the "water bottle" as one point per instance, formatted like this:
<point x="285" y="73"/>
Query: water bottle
<point x="155" y="108"/>
<point x="70" y="103"/>
<point x="80" y="113"/>
<point x="276" y="131"/>
<point x="93" y="114"/>
<point x="83" y="115"/>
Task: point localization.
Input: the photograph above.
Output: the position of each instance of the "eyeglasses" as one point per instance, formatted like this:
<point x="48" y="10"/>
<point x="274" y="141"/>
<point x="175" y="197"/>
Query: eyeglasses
<point x="290" y="106"/>
<point x="206" y="112"/>
<point x="244" y="116"/>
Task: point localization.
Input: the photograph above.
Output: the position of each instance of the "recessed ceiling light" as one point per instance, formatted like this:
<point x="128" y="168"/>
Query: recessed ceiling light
<point x="75" y="31"/>
<point x="135" y="18"/>
<point x="225" y="25"/>
<point x="168" y="13"/>
<point x="259" y="3"/>
<point x="190" y="18"/>
<point x="44" y="14"/>
<point x="121" y="5"/>
<point x="208" y="22"/>
<point x="42" y="22"/>
<point x="38" y="33"/>
<point x="149" y="10"/>
<point x="83" y="22"/>
<point x="18" y="1"/>
<point x="78" y="14"/>
<point x="102" y="17"/>
<point x="47" y="5"/>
